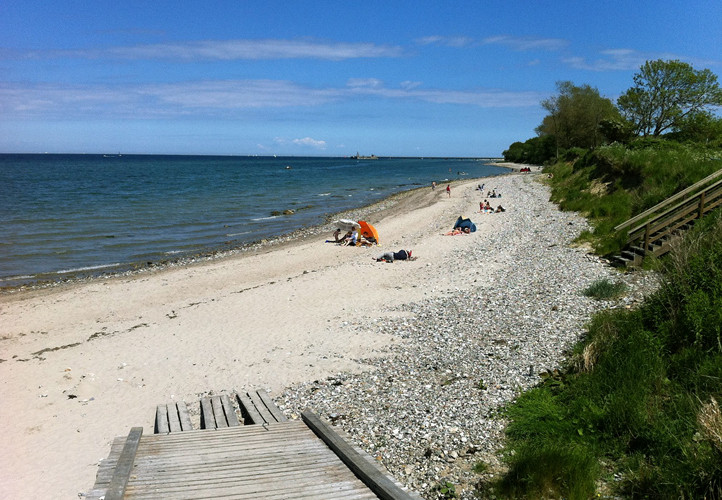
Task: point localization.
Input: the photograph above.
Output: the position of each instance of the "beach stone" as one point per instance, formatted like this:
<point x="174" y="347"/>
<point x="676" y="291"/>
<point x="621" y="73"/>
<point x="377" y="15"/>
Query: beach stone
<point x="430" y="406"/>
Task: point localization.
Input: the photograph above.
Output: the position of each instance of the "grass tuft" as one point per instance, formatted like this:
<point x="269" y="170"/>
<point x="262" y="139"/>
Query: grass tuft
<point x="605" y="289"/>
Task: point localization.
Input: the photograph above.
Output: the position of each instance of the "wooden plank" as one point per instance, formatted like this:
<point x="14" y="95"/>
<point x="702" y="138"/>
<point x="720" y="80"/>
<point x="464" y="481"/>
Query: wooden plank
<point x="672" y="199"/>
<point x="173" y="420"/>
<point x="208" y="421"/>
<point x="218" y="412"/>
<point x="116" y="489"/>
<point x="275" y="411"/>
<point x="184" y="417"/>
<point x="378" y="482"/>
<point x="248" y="410"/>
<point x="161" y="419"/>
<point x="283" y="461"/>
<point x="260" y="407"/>
<point x="230" y="411"/>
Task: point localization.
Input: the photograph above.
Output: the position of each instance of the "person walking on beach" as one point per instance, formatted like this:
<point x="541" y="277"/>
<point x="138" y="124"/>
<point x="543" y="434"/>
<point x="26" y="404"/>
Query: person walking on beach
<point x="448" y="190"/>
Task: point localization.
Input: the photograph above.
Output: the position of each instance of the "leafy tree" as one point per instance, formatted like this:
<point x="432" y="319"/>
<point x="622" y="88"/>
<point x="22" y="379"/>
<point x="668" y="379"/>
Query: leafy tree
<point x="575" y="114"/>
<point x="667" y="92"/>
<point x="701" y="127"/>
<point x="536" y="151"/>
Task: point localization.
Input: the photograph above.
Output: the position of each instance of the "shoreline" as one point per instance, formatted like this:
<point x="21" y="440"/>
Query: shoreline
<point x="371" y="211"/>
<point x="315" y="324"/>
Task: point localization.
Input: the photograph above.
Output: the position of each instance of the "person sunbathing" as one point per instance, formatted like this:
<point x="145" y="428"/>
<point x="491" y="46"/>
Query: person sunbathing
<point x="458" y="230"/>
<point x="392" y="256"/>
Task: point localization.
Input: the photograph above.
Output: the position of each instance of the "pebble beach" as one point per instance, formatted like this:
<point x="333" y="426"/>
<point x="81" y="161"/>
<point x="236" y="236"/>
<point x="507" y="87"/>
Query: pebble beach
<point x="412" y="360"/>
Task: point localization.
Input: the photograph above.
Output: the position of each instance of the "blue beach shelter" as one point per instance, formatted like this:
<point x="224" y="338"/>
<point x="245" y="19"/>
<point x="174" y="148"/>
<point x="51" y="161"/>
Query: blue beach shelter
<point x="462" y="223"/>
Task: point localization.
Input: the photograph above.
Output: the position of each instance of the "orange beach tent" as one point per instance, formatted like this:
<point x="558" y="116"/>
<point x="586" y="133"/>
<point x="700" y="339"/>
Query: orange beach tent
<point x="368" y="231"/>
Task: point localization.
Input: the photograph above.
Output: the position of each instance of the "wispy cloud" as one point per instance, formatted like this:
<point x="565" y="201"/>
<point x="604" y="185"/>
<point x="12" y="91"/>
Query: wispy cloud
<point x="372" y="83"/>
<point x="527" y="43"/>
<point x="630" y="60"/>
<point x="512" y="42"/>
<point x="226" y="98"/>
<point x="609" y="60"/>
<point x="228" y="50"/>
<point x="446" y="41"/>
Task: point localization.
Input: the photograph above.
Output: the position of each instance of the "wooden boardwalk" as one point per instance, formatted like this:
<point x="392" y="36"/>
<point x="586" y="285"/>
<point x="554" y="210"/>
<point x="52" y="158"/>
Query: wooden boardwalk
<point x="276" y="460"/>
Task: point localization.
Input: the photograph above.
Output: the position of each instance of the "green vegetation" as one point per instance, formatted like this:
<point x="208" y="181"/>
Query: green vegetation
<point x="445" y="490"/>
<point x="665" y="93"/>
<point x="575" y="115"/>
<point x="669" y="97"/>
<point x="605" y="289"/>
<point x="635" y="412"/>
<point x="640" y="396"/>
<point x="611" y="184"/>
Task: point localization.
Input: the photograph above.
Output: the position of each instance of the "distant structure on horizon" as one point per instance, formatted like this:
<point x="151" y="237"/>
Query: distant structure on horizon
<point x="359" y="157"/>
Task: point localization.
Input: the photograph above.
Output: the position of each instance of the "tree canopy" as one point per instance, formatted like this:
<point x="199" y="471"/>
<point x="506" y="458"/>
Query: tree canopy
<point x="574" y="116"/>
<point x="666" y="93"/>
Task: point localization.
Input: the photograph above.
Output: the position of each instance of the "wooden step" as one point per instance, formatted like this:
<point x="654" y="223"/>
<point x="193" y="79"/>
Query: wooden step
<point x="172" y="417"/>
<point x="218" y="412"/>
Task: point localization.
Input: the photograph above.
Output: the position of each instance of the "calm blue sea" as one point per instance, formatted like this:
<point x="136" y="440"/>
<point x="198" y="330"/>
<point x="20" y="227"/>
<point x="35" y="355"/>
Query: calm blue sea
<point x="74" y="215"/>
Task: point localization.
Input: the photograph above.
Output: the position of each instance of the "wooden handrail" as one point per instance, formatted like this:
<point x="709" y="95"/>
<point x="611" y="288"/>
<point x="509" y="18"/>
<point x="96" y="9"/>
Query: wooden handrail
<point x="672" y="199"/>
<point x="676" y="207"/>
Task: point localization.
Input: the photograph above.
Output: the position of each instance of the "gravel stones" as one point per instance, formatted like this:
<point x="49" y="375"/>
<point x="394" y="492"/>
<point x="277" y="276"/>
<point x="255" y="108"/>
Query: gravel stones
<point x="429" y="408"/>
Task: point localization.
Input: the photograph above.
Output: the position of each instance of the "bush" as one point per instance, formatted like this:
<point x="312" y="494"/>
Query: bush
<point x="605" y="289"/>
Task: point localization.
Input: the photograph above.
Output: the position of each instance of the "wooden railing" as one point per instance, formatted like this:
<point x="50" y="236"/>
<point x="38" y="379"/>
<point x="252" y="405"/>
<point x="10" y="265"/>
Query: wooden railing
<point x="651" y="230"/>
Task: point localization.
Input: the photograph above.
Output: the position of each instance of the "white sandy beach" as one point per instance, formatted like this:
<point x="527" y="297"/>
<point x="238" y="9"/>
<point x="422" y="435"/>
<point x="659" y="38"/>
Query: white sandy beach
<point x="84" y="362"/>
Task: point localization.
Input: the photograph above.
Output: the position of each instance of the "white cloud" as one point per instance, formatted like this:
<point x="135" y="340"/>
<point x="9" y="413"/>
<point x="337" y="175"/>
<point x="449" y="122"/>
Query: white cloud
<point x="225" y="98"/>
<point x="446" y="41"/>
<point x="482" y="98"/>
<point x="629" y="60"/>
<point x="610" y="60"/>
<point x="527" y="43"/>
<point x="513" y="42"/>
<point x="228" y="50"/>
<point x="408" y="84"/>
<point x="372" y="83"/>
<point x="307" y="141"/>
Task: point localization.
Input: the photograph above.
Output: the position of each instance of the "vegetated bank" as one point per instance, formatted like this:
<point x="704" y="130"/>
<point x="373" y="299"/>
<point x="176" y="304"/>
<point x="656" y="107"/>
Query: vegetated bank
<point x="636" y="411"/>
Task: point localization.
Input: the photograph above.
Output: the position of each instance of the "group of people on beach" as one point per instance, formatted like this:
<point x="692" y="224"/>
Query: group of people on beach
<point x="448" y="188"/>
<point x="486" y="208"/>
<point x="352" y="238"/>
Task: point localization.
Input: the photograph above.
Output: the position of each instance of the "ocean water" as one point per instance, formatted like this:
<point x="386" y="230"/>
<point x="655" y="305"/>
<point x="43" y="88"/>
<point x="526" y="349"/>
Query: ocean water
<point x="73" y="215"/>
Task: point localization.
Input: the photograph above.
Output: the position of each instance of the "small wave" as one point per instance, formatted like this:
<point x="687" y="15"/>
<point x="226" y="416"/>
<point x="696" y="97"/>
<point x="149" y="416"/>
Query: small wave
<point x="324" y="194"/>
<point x="265" y="218"/>
<point x="88" y="268"/>
<point x="230" y="235"/>
<point x="172" y="252"/>
<point x="16" y="278"/>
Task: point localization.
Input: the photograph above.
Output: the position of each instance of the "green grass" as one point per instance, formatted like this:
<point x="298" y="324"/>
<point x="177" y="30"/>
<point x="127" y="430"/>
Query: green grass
<point x="605" y="289"/>
<point x="640" y="395"/>
<point x="611" y="184"/>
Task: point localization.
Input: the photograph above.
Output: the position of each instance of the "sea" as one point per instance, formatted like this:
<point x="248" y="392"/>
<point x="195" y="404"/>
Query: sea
<point x="69" y="216"/>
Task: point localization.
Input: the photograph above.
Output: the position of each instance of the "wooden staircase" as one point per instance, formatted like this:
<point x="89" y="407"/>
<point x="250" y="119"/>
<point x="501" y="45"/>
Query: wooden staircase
<point x="653" y="231"/>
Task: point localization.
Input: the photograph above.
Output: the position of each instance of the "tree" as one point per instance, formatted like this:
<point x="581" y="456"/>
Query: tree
<point x="701" y="127"/>
<point x="536" y="150"/>
<point x="574" y="116"/>
<point x="665" y="93"/>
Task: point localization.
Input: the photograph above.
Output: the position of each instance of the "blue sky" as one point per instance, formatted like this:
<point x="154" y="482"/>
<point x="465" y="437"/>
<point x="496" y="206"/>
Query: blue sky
<point x="400" y="78"/>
